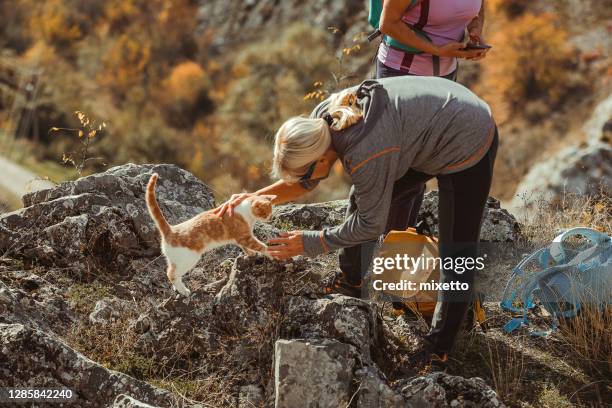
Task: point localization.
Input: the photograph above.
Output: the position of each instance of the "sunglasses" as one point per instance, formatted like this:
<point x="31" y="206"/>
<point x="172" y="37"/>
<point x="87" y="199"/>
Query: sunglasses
<point x="309" y="171"/>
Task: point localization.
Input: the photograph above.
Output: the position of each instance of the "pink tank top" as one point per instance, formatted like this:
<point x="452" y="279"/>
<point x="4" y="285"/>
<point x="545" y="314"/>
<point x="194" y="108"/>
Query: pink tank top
<point x="444" y="21"/>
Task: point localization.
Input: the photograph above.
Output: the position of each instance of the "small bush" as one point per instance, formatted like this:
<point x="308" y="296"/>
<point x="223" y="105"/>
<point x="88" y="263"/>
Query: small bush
<point x="510" y="8"/>
<point x="112" y="345"/>
<point x="125" y="64"/>
<point x="531" y="60"/>
<point x="84" y="295"/>
<point x="550" y="397"/>
<point x="185" y="81"/>
<point x="57" y="24"/>
<point x="185" y="94"/>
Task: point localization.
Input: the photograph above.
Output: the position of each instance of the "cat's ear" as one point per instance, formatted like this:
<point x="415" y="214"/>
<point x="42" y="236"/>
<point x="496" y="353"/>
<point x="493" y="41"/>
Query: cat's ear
<point x="269" y="197"/>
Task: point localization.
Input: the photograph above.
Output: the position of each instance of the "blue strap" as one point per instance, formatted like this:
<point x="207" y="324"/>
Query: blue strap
<point x="554" y="260"/>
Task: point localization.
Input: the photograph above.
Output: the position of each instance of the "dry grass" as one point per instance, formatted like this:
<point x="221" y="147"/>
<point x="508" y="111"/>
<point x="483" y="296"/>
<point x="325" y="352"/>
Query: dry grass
<point x="510" y="368"/>
<point x="112" y="346"/>
<point x="590" y="335"/>
<point x="83" y="295"/>
<point x="543" y="219"/>
<point x="507" y="367"/>
<point x="585" y="341"/>
<point x="550" y="397"/>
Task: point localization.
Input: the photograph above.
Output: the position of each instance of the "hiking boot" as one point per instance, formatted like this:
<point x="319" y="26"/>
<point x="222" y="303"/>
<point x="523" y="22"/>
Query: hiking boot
<point x="438" y="362"/>
<point x="401" y="309"/>
<point x="430" y="362"/>
<point x="337" y="283"/>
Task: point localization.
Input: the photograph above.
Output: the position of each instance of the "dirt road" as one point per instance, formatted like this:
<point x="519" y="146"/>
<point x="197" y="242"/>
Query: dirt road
<point x="17" y="180"/>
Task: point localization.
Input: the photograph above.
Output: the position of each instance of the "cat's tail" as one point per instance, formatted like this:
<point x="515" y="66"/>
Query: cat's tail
<point x="154" y="210"/>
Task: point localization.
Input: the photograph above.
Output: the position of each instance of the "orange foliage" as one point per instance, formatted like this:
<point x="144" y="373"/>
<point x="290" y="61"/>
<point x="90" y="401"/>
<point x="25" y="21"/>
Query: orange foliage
<point x="148" y="37"/>
<point x="185" y="82"/>
<point x="510" y="8"/>
<point x="55" y="23"/>
<point x="125" y="63"/>
<point x="530" y="61"/>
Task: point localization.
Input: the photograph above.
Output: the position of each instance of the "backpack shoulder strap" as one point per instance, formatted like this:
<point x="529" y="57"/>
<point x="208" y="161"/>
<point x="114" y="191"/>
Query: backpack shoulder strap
<point x="418" y="27"/>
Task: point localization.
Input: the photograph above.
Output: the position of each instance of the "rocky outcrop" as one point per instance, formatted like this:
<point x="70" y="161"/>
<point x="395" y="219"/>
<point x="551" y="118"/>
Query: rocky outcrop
<point x="329" y="366"/>
<point x="442" y="390"/>
<point x="309" y="216"/>
<point x="498" y="224"/>
<point x="583" y="170"/>
<point x="330" y="355"/>
<point x="264" y="326"/>
<point x="255" y="290"/>
<point x="599" y="127"/>
<point x="100" y="221"/>
<point x="349" y="320"/>
<point x="575" y="170"/>
<point x="31" y="358"/>
<point x="329" y="373"/>
<point x="48" y="311"/>
<point x="234" y="21"/>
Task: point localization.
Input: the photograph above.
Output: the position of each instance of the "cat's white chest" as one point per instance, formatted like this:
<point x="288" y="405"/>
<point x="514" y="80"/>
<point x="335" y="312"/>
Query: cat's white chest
<point x="183" y="258"/>
<point x="244" y="209"/>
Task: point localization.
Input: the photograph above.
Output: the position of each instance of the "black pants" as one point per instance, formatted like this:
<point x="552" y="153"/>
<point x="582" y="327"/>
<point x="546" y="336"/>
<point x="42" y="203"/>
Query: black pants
<point x="462" y="199"/>
<point x="404" y="207"/>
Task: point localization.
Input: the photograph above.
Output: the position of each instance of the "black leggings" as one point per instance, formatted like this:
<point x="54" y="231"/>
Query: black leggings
<point x="462" y="199"/>
<point x="406" y="206"/>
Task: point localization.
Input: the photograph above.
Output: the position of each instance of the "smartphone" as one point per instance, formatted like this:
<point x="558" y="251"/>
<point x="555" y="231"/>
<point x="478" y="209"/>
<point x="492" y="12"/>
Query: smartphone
<point x="470" y="46"/>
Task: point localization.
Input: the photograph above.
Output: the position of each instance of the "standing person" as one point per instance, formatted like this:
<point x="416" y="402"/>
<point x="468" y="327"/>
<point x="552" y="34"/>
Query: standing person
<point x="399" y="132"/>
<point x="444" y="22"/>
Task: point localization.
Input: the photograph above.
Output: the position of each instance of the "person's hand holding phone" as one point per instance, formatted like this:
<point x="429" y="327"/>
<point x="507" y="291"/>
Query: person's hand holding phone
<point x="458" y="50"/>
<point x="476" y="43"/>
<point x="482" y="49"/>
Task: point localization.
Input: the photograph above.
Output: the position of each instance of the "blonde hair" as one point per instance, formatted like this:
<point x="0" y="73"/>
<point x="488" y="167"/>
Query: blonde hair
<point x="300" y="140"/>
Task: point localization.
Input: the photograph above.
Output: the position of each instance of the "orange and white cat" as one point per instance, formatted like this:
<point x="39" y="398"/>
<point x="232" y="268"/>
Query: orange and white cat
<point x="183" y="244"/>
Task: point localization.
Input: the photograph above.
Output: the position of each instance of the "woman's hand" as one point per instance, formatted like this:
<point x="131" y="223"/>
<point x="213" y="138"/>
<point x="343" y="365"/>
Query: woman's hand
<point x="456" y="50"/>
<point x="475" y="35"/>
<point x="476" y="38"/>
<point x="288" y="245"/>
<point x="230" y="204"/>
<point x="480" y="56"/>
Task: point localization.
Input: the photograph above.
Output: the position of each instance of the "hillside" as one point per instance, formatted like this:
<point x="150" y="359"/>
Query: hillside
<point x="85" y="305"/>
<point x="93" y="92"/>
<point x="241" y="69"/>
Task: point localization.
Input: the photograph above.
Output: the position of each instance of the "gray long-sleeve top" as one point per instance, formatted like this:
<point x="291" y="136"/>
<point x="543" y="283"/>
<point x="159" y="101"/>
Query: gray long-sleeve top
<point x="428" y="124"/>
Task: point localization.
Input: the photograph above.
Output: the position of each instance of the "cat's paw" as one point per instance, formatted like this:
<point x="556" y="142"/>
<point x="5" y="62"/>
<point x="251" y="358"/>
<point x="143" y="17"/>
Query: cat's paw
<point x="266" y="253"/>
<point x="183" y="291"/>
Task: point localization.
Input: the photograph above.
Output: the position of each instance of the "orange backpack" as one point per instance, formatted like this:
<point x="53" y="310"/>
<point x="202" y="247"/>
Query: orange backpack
<point x="419" y="302"/>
